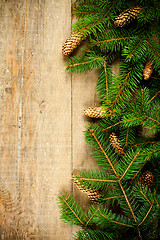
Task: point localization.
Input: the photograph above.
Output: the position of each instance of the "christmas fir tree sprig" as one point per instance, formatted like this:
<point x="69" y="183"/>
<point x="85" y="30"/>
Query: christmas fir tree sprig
<point x="124" y="191"/>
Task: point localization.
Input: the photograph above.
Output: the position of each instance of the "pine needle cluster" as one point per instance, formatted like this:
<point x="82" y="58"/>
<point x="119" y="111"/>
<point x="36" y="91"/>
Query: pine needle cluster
<point x="125" y="191"/>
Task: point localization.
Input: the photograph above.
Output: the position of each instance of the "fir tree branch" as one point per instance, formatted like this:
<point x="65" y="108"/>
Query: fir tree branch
<point x="93" y="134"/>
<point x="127" y="137"/>
<point x="72" y="211"/>
<point x="154" y="96"/>
<point x="139" y="233"/>
<point x="132" y="119"/>
<point x="93" y="25"/>
<point x="83" y="63"/>
<point x="91" y="217"/>
<point x="150" y="234"/>
<point x="144" y="110"/>
<point x="146" y="214"/>
<point x="153" y="126"/>
<point x="127" y="225"/>
<point x="154" y="120"/>
<point x="87" y="62"/>
<point x="156" y="78"/>
<point x="157" y="202"/>
<point x="145" y="197"/>
<point x="121" y="88"/>
<point x="129" y="166"/>
<point x="134" y="217"/>
<point x="153" y="48"/>
<point x="96" y="180"/>
<point x="104" y="199"/>
<point x="114" y="39"/>
<point x="146" y="14"/>
<point x="141" y="168"/>
<point x="142" y="102"/>
<point x="138" y="144"/>
<point x="111" y="126"/>
<point x="105" y="70"/>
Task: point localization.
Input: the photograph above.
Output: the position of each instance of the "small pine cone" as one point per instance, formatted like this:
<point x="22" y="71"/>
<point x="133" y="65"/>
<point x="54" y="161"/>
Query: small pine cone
<point x="71" y="43"/>
<point x="94" y="112"/>
<point x="147" y="179"/>
<point x="127" y="16"/>
<point x="93" y="195"/>
<point x="116" y="145"/>
<point x="148" y="69"/>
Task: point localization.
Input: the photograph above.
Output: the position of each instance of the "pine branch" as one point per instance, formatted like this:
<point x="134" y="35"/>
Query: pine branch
<point x="146" y="214"/>
<point x="109" y="161"/>
<point x="94" y="234"/>
<point x="127" y="225"/>
<point x="129" y="166"/>
<point x="130" y="207"/>
<point x="91" y="217"/>
<point x="125" y="207"/>
<point x="123" y="86"/>
<point x="92" y="23"/>
<point x="136" y="50"/>
<point x="70" y="210"/>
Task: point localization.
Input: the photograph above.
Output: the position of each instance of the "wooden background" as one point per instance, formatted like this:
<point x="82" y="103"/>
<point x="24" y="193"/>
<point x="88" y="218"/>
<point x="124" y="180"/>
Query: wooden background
<point x="41" y="119"/>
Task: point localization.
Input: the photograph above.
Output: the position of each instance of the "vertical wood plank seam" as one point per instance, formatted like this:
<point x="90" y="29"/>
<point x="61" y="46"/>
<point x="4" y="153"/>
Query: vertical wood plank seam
<point x="71" y="122"/>
<point x="71" y="115"/>
<point x="20" y="116"/>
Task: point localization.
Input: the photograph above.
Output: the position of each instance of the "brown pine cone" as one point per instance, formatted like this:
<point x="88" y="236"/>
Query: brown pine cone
<point x="116" y="145"/>
<point x="94" y="112"/>
<point x="147" y="179"/>
<point x="148" y="69"/>
<point x="71" y="43"/>
<point x="93" y="195"/>
<point x="127" y="16"/>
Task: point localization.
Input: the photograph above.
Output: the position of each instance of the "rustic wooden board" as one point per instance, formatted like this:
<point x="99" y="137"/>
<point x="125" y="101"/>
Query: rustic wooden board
<point x="41" y="120"/>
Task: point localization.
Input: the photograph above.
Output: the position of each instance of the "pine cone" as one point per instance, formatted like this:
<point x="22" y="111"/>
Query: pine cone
<point x="116" y="145"/>
<point x="127" y="16"/>
<point x="148" y="69"/>
<point x="71" y="43"/>
<point x="93" y="195"/>
<point x="94" y="112"/>
<point x="147" y="178"/>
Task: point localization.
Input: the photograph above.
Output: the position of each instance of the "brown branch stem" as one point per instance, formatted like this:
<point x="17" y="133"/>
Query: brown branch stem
<point x="146" y="214"/>
<point x="96" y="180"/>
<point x="129" y="166"/>
<point x="145" y="197"/>
<point x="140" y="168"/>
<point x="112" y="197"/>
<point x="105" y="70"/>
<point x="109" y="161"/>
<point x="127" y="137"/>
<point x="114" y="39"/>
<point x="154" y="96"/>
<point x="72" y="211"/>
<point x="91" y="217"/>
<point x="127" y="225"/>
<point x="134" y="217"/>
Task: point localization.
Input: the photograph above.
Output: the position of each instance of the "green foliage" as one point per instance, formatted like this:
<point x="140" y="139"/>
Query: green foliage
<point x="126" y="208"/>
<point x="96" y="234"/>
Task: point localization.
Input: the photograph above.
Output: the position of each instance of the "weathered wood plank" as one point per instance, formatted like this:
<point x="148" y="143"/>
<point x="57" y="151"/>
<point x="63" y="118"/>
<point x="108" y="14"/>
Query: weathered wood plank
<point x="35" y="115"/>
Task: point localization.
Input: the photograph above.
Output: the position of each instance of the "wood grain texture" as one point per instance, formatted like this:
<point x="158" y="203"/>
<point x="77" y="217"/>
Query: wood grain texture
<point x="35" y="118"/>
<point x="41" y="119"/>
